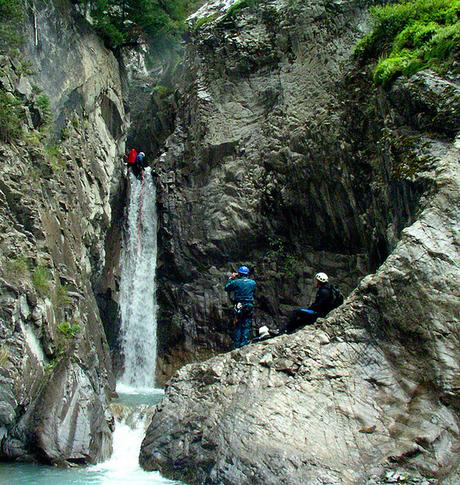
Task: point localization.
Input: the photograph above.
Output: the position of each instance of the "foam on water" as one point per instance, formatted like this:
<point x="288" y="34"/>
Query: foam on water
<point x="136" y="389"/>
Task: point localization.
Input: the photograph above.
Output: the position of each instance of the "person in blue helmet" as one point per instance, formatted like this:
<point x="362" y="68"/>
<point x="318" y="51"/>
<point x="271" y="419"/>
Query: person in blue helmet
<point x="139" y="166"/>
<point x="243" y="289"/>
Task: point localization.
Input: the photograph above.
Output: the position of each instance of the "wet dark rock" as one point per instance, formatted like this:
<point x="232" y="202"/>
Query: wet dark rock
<point x="57" y="191"/>
<point x="279" y="160"/>
<point x="353" y="181"/>
<point x="429" y="102"/>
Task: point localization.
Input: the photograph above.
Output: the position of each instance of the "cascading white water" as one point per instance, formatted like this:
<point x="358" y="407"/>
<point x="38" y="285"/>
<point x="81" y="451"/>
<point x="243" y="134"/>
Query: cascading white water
<point x="136" y="386"/>
<point x="137" y="287"/>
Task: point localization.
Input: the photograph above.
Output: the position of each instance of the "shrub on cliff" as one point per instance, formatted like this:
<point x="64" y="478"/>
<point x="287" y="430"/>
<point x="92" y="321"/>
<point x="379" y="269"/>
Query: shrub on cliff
<point x="11" y="117"/>
<point x="414" y="35"/>
<point x="11" y="15"/>
<point x="124" y="22"/>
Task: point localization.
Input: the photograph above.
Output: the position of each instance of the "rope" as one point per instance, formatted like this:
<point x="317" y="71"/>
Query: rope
<point x="140" y="216"/>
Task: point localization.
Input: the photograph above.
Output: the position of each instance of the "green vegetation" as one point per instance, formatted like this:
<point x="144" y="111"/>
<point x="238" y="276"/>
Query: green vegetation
<point x="69" y="330"/>
<point x="11" y="117"/>
<point x="204" y="21"/>
<point x="11" y="14"/>
<point x="53" y="156"/>
<point x="43" y="104"/>
<point x="287" y="263"/>
<point x="4" y="356"/>
<point x="52" y="364"/>
<point x="24" y="67"/>
<point x="161" y="91"/>
<point x="62" y="296"/>
<point x="17" y="268"/>
<point x="41" y="280"/>
<point x="123" y="22"/>
<point x="407" y="155"/>
<point x="239" y="5"/>
<point x="411" y="36"/>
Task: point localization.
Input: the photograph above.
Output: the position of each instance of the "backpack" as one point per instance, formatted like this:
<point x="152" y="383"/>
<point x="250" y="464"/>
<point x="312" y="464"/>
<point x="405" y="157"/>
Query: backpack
<point x="336" y="297"/>
<point x="132" y="157"/>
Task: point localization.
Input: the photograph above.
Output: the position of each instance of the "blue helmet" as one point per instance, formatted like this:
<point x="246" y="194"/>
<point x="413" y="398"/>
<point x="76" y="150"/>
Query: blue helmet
<point x="243" y="270"/>
<point x="141" y="156"/>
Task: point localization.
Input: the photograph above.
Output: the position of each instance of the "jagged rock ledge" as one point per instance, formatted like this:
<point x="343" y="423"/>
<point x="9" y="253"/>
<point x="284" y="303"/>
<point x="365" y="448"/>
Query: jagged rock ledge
<point x="371" y="388"/>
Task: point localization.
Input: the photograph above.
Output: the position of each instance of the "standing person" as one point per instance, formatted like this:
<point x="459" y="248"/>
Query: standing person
<point x="322" y="305"/>
<point x="243" y="289"/>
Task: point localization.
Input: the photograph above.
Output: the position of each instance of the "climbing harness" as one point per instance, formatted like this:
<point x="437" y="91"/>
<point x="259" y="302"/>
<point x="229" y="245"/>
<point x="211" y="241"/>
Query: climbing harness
<point x="141" y="202"/>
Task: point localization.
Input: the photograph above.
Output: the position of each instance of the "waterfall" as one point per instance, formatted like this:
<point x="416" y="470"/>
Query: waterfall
<point x="137" y="286"/>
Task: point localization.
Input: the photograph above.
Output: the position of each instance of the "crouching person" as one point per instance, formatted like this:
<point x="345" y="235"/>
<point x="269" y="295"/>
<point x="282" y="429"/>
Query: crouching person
<point x="322" y="305"/>
<point x="243" y="289"/>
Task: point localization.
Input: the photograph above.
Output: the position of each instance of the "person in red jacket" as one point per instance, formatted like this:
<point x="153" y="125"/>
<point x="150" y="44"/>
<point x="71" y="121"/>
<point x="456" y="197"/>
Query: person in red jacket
<point x="132" y="155"/>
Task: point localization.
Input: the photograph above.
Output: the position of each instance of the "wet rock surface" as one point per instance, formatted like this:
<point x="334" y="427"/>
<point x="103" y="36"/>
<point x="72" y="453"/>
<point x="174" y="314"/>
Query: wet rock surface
<point x="58" y="185"/>
<point x="370" y="389"/>
<point x="281" y="160"/>
<point x="281" y="137"/>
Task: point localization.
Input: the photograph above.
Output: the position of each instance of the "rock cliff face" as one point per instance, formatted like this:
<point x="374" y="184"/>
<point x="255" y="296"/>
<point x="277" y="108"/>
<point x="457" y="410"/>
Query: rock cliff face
<point x="285" y="157"/>
<point x="275" y="162"/>
<point x="58" y="185"/>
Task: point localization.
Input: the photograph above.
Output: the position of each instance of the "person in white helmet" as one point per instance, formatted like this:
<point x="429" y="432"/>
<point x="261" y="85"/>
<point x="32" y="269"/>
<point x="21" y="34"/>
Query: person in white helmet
<point x="319" y="308"/>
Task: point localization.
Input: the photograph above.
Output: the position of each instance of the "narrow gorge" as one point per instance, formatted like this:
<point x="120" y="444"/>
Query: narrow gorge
<point x="275" y="142"/>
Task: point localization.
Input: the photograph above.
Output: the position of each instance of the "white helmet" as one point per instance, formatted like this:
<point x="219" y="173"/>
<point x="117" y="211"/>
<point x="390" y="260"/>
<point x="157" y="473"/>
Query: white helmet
<point x="264" y="332"/>
<point x="322" y="277"/>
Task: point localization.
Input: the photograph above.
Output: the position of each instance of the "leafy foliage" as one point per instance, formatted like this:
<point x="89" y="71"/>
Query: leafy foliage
<point x="412" y="35"/>
<point x="69" y="330"/>
<point x="11" y="15"/>
<point x="11" y="117"/>
<point x="43" y="103"/>
<point x="41" y="280"/>
<point x="124" y="22"/>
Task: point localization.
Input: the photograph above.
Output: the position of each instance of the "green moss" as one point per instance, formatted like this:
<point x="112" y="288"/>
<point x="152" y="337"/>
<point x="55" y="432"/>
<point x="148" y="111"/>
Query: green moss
<point x="240" y="5"/>
<point x="201" y="22"/>
<point x="411" y="36"/>
<point x="41" y="280"/>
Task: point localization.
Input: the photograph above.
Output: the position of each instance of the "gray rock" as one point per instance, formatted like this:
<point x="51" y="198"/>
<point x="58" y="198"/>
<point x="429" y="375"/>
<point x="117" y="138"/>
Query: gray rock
<point x="55" y="214"/>
<point x="278" y="137"/>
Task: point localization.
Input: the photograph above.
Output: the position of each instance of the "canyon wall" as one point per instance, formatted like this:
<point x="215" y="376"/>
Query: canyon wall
<point x="287" y="158"/>
<point x="60" y="185"/>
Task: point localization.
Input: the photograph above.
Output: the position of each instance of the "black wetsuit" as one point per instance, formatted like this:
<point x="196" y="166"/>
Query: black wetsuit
<point x="319" y="308"/>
